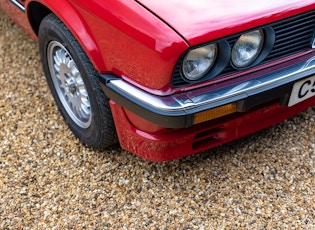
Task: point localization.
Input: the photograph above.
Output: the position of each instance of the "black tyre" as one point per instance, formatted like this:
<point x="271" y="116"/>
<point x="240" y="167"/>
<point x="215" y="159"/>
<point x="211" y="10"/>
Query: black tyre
<point x="74" y="84"/>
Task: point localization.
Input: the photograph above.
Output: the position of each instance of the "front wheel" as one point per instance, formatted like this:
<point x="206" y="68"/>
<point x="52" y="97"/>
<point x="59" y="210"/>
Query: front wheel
<point x="74" y="84"/>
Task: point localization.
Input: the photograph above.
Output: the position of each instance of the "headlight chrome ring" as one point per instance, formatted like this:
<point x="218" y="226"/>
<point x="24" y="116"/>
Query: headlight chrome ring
<point x="199" y="61"/>
<point x="247" y="48"/>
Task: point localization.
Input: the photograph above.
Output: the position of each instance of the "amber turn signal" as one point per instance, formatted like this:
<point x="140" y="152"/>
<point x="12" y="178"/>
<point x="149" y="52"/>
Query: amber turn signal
<point x="214" y="113"/>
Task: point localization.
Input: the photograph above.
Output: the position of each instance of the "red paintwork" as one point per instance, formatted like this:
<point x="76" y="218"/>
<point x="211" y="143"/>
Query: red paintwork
<point x="150" y="46"/>
<point x="16" y="15"/>
<point x="183" y="142"/>
<point x="205" y="20"/>
<point x="142" y="43"/>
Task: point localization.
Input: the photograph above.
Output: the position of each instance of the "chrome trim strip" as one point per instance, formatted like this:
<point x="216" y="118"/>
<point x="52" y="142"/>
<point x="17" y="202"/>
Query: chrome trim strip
<point x="198" y="98"/>
<point x="18" y="4"/>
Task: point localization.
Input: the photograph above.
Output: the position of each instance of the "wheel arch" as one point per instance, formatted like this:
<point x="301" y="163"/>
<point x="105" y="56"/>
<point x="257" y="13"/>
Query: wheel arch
<point x="37" y="10"/>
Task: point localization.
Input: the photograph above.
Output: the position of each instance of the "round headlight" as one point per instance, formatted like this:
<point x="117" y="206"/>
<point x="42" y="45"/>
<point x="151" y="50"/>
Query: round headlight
<point x="199" y="61"/>
<point x="247" y="48"/>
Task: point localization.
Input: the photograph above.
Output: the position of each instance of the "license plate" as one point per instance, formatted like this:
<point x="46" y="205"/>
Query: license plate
<point x="302" y="90"/>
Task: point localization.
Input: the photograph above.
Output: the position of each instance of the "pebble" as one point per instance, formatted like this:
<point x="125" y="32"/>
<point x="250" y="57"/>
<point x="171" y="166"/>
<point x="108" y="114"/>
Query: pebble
<point x="49" y="180"/>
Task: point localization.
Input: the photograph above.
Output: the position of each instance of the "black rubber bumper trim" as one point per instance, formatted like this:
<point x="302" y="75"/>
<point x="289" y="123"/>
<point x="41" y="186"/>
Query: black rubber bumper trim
<point x="178" y="119"/>
<point x="185" y="118"/>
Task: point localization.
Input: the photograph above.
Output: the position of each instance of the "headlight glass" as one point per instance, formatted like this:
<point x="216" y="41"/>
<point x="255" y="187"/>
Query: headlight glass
<point x="199" y="61"/>
<point x="247" y="48"/>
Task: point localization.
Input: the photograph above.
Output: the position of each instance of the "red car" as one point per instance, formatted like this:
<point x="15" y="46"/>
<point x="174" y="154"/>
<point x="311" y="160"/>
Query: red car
<point x="172" y="78"/>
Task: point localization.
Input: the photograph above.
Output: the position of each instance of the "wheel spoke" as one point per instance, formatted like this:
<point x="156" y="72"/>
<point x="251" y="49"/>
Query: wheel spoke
<point x="69" y="84"/>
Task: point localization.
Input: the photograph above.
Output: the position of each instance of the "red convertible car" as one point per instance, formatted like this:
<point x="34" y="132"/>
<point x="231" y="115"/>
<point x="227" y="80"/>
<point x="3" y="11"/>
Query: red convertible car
<point x="170" y="78"/>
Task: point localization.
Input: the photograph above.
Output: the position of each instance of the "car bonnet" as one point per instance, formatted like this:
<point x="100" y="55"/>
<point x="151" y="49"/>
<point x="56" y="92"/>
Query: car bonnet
<point x="203" y="20"/>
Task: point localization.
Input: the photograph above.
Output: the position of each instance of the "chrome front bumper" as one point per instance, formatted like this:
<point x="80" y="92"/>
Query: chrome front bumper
<point x="177" y="111"/>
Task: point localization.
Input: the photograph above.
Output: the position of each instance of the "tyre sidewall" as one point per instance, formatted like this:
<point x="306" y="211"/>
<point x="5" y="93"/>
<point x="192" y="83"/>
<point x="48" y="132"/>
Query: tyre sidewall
<point x="50" y="31"/>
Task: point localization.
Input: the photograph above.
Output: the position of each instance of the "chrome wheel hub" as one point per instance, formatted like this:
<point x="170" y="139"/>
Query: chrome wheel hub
<point x="69" y="84"/>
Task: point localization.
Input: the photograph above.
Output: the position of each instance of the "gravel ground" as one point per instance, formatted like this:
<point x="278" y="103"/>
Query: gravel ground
<point x="49" y="180"/>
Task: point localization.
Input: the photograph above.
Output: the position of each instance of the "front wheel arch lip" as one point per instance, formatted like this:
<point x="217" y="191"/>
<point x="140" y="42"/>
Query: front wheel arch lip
<point x="37" y="11"/>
